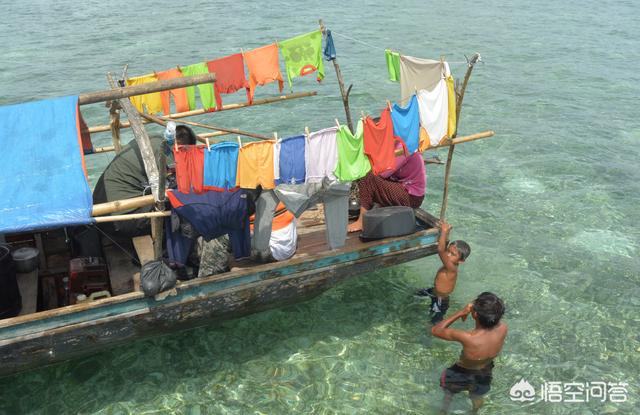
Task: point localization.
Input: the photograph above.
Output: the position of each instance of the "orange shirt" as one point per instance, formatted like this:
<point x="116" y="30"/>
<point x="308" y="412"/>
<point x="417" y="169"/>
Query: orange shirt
<point x="263" y="67"/>
<point x="379" y="143"/>
<point x="179" y="94"/>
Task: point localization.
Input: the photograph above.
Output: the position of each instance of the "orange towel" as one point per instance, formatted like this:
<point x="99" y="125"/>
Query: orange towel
<point x="263" y="67"/>
<point x="179" y="94"/>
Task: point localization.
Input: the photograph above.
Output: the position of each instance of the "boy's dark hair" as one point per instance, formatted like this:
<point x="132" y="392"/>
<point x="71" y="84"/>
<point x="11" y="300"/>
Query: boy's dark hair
<point x="489" y="308"/>
<point x="185" y="135"/>
<point x="463" y="248"/>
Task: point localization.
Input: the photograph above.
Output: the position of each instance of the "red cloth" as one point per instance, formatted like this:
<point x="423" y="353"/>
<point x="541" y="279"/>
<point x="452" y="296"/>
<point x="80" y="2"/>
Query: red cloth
<point x="229" y="76"/>
<point x="379" y="142"/>
<point x="189" y="168"/>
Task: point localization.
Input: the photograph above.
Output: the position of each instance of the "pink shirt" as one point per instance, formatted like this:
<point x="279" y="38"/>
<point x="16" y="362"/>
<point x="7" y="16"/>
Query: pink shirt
<point x="412" y="175"/>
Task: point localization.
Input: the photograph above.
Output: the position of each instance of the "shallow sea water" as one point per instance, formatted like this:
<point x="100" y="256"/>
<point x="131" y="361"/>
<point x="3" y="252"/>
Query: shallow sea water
<point x="549" y="206"/>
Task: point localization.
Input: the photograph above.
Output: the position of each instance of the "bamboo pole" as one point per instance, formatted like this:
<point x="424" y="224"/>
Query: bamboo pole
<point x="129" y="91"/>
<point x="263" y="101"/>
<point x="163" y="120"/>
<point x="132" y="216"/>
<point x="201" y="137"/>
<point x="344" y="94"/>
<point x="107" y="208"/>
<point x="465" y="139"/>
<point x="445" y="194"/>
<point x="114" y="123"/>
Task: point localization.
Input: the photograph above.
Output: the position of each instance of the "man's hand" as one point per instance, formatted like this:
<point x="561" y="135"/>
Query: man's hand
<point x="445" y="227"/>
<point x="466" y="311"/>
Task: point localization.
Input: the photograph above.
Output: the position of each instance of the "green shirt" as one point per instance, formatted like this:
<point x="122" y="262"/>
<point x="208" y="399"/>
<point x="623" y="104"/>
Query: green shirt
<point x="352" y="162"/>
<point x="303" y="55"/>
<point x="393" y="64"/>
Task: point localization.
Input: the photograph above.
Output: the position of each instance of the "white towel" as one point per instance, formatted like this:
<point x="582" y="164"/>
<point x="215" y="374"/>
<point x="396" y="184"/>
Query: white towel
<point x="321" y="155"/>
<point x="434" y="111"/>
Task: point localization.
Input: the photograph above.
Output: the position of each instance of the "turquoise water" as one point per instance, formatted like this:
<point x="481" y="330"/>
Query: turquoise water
<point x="549" y="206"/>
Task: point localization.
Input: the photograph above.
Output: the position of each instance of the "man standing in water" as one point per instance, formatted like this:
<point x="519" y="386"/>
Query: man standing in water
<point x="472" y="372"/>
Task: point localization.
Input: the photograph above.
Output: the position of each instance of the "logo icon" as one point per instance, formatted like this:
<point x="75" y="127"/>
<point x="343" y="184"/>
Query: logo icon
<point x="522" y="392"/>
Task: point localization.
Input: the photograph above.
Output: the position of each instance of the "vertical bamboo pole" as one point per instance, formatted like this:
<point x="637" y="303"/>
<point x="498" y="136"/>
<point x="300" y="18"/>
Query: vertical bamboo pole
<point x="114" y="123"/>
<point x="156" y="177"/>
<point x="344" y="93"/>
<point x="460" y="96"/>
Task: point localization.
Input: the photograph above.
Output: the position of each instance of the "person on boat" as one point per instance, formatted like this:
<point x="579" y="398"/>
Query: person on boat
<point x="125" y="177"/>
<point x="403" y="187"/>
<point x="445" y="282"/>
<point x="480" y="346"/>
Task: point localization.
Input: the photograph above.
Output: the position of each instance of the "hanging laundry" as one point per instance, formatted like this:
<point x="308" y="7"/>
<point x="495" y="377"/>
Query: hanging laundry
<point x="289" y="164"/>
<point x="406" y="123"/>
<point x="329" y="47"/>
<point x="189" y="168"/>
<point x="205" y="90"/>
<point x="283" y="240"/>
<point x="451" y="92"/>
<point x="255" y="165"/>
<point x="220" y="165"/>
<point x="303" y="55"/>
<point x="379" y="143"/>
<point x="214" y="214"/>
<point x="417" y="74"/>
<point x="263" y="66"/>
<point x="393" y="64"/>
<point x="151" y="101"/>
<point x="321" y="156"/>
<point x="180" y="99"/>
<point x="434" y="111"/>
<point x="229" y="76"/>
<point x="335" y="198"/>
<point x="352" y="162"/>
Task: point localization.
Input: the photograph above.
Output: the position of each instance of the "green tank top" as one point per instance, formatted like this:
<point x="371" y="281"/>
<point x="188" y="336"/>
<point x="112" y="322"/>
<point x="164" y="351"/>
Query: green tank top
<point x="352" y="162"/>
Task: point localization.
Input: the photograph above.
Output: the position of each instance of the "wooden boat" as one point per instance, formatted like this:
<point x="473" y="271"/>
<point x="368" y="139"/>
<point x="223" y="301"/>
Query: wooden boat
<point x="53" y="335"/>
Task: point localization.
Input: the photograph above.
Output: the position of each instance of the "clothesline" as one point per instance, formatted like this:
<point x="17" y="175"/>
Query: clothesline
<point x="380" y="48"/>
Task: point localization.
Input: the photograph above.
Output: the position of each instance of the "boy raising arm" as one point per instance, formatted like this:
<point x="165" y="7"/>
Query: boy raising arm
<point x="446" y="277"/>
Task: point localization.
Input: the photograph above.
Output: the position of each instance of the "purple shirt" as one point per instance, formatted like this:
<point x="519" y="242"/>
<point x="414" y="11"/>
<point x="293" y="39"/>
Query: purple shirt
<point x="412" y="175"/>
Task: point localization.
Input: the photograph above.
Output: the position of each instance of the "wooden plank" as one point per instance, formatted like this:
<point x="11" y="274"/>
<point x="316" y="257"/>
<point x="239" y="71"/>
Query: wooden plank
<point x="144" y="248"/>
<point x="28" y="285"/>
<point x="121" y="270"/>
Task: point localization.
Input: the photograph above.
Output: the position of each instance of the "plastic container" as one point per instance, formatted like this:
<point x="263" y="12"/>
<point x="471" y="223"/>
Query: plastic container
<point x="10" y="299"/>
<point x="26" y="259"/>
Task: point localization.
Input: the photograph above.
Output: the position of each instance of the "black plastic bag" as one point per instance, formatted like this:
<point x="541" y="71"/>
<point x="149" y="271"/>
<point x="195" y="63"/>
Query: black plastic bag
<point x="155" y="277"/>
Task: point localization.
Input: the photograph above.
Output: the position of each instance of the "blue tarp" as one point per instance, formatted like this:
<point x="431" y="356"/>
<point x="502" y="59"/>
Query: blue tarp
<point x="42" y="182"/>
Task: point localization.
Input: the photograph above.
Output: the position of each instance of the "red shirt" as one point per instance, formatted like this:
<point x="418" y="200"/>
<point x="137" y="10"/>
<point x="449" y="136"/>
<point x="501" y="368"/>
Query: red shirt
<point x="189" y="168"/>
<point x="229" y="76"/>
<point x="379" y="143"/>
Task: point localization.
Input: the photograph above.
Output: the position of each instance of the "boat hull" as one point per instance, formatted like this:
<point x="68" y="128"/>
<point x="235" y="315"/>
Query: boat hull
<point x="71" y="332"/>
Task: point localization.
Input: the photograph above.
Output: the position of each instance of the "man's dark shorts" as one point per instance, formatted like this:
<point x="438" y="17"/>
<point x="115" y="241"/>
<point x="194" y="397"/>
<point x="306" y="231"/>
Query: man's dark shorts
<point x="439" y="305"/>
<point x="459" y="379"/>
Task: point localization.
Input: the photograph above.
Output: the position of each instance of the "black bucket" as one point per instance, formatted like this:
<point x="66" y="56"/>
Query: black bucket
<point x="10" y="299"/>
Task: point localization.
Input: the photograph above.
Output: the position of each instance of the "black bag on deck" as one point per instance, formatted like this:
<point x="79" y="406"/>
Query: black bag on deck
<point x="155" y="277"/>
<point x="388" y="222"/>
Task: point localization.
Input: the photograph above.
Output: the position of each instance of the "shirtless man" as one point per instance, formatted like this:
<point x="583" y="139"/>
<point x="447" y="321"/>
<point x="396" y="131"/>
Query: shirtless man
<point x="480" y="346"/>
<point x="446" y="277"/>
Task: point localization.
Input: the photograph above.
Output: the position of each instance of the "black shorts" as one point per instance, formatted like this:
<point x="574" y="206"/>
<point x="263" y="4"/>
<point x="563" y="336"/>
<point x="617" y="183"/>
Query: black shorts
<point x="439" y="306"/>
<point x="475" y="381"/>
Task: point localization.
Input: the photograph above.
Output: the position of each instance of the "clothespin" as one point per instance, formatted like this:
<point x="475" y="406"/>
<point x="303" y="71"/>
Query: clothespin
<point x="363" y="116"/>
<point x="155" y="74"/>
<point x="239" y="141"/>
<point x="208" y="145"/>
<point x="389" y="106"/>
<point x="179" y="68"/>
<point x="415" y="89"/>
<point x="275" y="136"/>
<point x="306" y="131"/>
<point x="442" y="64"/>
<point x="337" y="122"/>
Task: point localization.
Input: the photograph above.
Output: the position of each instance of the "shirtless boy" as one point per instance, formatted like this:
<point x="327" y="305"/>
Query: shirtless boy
<point x="480" y="346"/>
<point x="446" y="277"/>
